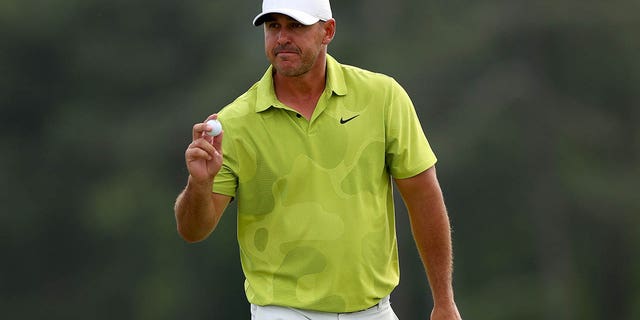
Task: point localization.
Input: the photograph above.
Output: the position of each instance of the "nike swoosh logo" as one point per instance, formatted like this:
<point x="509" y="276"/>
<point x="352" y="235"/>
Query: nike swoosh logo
<point x="343" y="121"/>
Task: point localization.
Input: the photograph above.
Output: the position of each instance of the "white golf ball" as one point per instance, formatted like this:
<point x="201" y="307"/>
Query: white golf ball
<point x="216" y="127"/>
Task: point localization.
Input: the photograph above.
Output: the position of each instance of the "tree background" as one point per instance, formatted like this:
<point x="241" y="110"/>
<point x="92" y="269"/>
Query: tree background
<point x="531" y="106"/>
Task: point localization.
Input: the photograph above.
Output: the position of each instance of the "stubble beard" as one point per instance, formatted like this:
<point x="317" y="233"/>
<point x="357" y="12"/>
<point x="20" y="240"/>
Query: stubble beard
<point x="291" y="68"/>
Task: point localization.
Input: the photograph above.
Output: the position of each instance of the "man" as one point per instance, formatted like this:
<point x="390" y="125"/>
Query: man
<point x="310" y="152"/>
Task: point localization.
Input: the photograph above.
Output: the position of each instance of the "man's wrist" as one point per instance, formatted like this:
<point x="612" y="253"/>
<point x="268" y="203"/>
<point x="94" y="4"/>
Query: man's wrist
<point x="444" y="301"/>
<point x="199" y="186"/>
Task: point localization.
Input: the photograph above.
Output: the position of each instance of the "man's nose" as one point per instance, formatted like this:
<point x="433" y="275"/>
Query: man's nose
<point x="283" y="36"/>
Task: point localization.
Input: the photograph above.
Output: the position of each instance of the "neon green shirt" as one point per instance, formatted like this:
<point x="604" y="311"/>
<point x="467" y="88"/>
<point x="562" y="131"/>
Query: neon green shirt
<point x="316" y="223"/>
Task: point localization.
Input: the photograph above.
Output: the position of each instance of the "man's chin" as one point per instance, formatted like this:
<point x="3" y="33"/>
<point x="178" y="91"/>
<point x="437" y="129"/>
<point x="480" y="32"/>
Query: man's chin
<point x="288" y="68"/>
<point x="290" y="73"/>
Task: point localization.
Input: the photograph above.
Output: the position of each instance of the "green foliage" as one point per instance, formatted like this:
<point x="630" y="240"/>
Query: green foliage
<point x="531" y="107"/>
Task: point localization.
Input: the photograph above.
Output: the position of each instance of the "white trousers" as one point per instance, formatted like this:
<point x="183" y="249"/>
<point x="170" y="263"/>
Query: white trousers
<point x="381" y="311"/>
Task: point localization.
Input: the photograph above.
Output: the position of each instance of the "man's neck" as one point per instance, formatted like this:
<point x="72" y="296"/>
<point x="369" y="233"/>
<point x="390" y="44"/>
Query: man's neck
<point x="302" y="92"/>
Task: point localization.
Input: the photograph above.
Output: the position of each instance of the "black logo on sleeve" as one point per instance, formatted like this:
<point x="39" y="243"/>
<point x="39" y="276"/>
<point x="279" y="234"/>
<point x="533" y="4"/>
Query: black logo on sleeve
<point x="343" y="121"/>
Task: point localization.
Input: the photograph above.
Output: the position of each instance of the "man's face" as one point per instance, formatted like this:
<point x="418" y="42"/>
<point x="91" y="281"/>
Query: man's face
<point x="292" y="47"/>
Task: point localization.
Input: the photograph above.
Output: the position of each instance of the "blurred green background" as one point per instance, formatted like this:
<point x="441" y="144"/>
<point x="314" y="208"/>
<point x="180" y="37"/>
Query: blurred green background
<point x="531" y="106"/>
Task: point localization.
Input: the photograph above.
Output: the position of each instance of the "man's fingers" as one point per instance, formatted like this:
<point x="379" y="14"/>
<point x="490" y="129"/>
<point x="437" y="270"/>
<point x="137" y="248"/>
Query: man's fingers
<point x="199" y="129"/>
<point x="204" y="146"/>
<point x="201" y="149"/>
<point x="196" y="154"/>
<point x="217" y="142"/>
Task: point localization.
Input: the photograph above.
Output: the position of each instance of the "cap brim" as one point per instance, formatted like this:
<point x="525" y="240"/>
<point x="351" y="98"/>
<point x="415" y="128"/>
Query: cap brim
<point x="299" y="16"/>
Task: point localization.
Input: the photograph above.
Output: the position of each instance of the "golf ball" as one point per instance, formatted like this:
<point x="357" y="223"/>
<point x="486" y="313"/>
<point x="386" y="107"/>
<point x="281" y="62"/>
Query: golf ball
<point x="216" y="127"/>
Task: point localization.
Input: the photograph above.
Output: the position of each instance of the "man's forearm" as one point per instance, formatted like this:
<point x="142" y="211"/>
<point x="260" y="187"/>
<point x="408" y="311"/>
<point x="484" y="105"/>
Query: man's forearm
<point x="432" y="234"/>
<point x="195" y="212"/>
<point x="431" y="231"/>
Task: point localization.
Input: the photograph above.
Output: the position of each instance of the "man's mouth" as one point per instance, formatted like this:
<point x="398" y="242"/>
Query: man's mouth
<point x="285" y="50"/>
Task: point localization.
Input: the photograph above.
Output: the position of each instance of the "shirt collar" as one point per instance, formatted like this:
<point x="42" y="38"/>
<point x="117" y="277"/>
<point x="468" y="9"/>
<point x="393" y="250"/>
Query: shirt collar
<point x="266" y="95"/>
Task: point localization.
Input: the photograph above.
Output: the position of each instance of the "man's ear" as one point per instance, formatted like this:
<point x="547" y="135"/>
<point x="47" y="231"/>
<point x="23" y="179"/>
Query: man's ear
<point x="330" y="31"/>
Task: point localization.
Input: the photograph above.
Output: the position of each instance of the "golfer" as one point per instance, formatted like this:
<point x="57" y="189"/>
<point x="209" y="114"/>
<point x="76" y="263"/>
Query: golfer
<point x="311" y="153"/>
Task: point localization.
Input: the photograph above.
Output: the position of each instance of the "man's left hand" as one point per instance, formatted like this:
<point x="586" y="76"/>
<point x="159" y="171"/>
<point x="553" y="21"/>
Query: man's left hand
<point x="445" y="313"/>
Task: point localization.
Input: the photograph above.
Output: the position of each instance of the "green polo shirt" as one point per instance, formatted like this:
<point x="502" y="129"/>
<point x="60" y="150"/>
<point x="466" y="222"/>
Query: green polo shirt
<point x="316" y="224"/>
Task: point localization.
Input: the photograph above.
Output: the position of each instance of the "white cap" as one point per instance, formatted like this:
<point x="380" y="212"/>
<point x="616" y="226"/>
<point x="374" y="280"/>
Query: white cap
<point x="306" y="12"/>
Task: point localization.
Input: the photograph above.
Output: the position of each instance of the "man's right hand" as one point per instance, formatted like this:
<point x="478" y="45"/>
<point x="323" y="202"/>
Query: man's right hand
<point x="198" y="209"/>
<point x="204" y="154"/>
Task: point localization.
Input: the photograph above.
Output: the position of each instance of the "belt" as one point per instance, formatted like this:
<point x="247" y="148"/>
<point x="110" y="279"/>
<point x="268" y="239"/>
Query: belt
<point x="378" y="305"/>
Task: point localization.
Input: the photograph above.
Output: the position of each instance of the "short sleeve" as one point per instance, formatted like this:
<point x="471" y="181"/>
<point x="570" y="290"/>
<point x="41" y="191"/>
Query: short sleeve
<point x="408" y="152"/>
